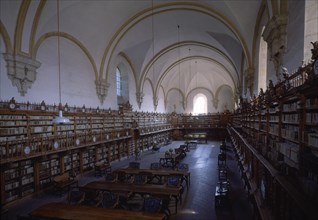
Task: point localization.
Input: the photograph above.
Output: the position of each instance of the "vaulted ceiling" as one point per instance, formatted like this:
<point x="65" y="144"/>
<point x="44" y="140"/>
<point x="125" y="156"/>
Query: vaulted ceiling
<point x="173" y="44"/>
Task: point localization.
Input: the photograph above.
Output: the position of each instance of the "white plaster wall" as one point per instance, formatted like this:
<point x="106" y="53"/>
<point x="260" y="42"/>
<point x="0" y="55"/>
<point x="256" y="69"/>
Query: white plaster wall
<point x="8" y="15"/>
<point x="295" y="35"/>
<point x="311" y="27"/>
<point x="225" y="100"/>
<point x="173" y="102"/>
<point x="260" y="53"/>
<point x="28" y="26"/>
<point x="77" y="76"/>
<point x="132" y="91"/>
<point x="147" y="105"/>
<point x="111" y="99"/>
<point x="189" y="108"/>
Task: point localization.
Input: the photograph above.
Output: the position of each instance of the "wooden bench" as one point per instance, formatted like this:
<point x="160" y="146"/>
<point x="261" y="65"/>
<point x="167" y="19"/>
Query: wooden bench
<point x="63" y="183"/>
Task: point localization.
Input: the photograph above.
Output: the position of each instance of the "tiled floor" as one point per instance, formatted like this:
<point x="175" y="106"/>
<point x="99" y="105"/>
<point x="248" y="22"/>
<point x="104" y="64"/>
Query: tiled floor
<point x="198" y="200"/>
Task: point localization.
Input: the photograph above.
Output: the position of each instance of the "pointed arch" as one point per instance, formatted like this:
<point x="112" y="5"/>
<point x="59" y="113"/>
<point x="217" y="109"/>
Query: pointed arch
<point x="6" y="38"/>
<point x="108" y="54"/>
<point x="70" y="38"/>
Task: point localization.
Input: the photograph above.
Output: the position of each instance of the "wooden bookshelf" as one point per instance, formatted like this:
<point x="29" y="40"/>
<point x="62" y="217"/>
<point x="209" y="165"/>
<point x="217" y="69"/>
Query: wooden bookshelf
<point x="276" y="132"/>
<point x="33" y="150"/>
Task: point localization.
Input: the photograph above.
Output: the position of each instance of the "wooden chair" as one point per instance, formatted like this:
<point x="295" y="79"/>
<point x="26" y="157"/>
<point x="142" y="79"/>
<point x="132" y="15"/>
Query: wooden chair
<point x="156" y="204"/>
<point x="75" y="196"/>
<point x="223" y="147"/>
<point x="134" y="165"/>
<point x="140" y="179"/>
<point x="167" y="162"/>
<point x="222" y="174"/>
<point x="183" y="167"/>
<point x="155" y="166"/>
<point x="123" y="177"/>
<point x="110" y="200"/>
<point x="92" y="198"/>
<point x="175" y="181"/>
<point x="111" y="177"/>
<point x="222" y="159"/>
<point x="221" y="197"/>
<point x="152" y="204"/>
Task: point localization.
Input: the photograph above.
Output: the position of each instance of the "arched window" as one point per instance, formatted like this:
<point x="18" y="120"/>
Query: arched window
<point x="262" y="63"/>
<point x="200" y="104"/>
<point x="122" y="85"/>
<point x="118" y="82"/>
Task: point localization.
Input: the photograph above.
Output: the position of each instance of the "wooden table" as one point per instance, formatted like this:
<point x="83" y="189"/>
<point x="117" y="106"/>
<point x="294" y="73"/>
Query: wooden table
<point x="79" y="212"/>
<point x="152" y="189"/>
<point x="157" y="173"/>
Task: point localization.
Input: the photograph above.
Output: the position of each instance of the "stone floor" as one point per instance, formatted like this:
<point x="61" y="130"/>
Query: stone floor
<point x="198" y="200"/>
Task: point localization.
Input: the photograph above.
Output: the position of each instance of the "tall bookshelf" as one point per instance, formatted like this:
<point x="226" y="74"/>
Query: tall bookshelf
<point x="275" y="138"/>
<point x="33" y="150"/>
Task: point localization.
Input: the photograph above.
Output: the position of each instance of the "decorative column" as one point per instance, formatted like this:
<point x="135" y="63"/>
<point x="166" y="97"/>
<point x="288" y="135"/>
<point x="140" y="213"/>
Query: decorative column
<point x="276" y="37"/>
<point x="139" y="98"/>
<point x="101" y="89"/>
<point x="155" y="102"/>
<point x="184" y="104"/>
<point x="21" y="71"/>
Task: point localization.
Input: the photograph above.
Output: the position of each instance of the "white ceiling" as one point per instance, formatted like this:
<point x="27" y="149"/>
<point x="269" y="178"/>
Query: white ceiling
<point x="218" y="34"/>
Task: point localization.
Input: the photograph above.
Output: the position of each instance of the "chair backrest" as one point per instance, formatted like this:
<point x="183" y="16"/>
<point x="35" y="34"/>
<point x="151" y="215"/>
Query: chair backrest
<point x="155" y="166"/>
<point x="123" y="177"/>
<point x="140" y="179"/>
<point x="152" y="204"/>
<point x="183" y="146"/>
<point x="76" y="196"/>
<point x="183" y="167"/>
<point x="93" y="198"/>
<point x="222" y="157"/>
<point x="173" y="181"/>
<point x="111" y="177"/>
<point x="110" y="200"/>
<point x="135" y="165"/>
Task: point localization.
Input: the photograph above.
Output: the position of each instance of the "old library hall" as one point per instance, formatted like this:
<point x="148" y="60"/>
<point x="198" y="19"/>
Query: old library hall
<point x="159" y="109"/>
